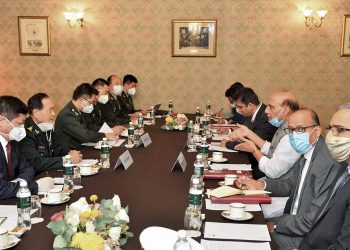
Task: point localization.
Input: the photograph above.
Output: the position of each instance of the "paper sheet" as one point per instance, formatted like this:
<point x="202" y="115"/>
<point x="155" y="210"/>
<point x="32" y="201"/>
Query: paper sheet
<point x="276" y="207"/>
<point x="87" y="162"/>
<point x="220" y="137"/>
<point x="110" y="143"/>
<point x="228" y="191"/>
<point x="231" y="245"/>
<point x="9" y="211"/>
<point x="230" y="231"/>
<point x="221" y="149"/>
<point x="222" y="207"/>
<point x="242" y="167"/>
<point x="105" y="129"/>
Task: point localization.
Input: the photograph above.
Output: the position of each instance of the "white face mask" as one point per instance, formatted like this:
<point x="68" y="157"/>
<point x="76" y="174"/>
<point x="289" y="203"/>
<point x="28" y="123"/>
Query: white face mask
<point x="118" y="89"/>
<point x="339" y="147"/>
<point x="233" y="105"/>
<point x="16" y="133"/>
<point x="45" y="126"/>
<point x="103" y="99"/>
<point x="88" y="109"/>
<point x="132" y="91"/>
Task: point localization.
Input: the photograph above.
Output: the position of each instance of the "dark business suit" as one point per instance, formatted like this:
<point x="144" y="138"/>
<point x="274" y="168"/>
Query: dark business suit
<point x="21" y="169"/>
<point x="332" y="228"/>
<point x="38" y="151"/>
<point x="127" y="103"/>
<point x="290" y="229"/>
<point x="112" y="111"/>
<point x="71" y="128"/>
<point x="263" y="129"/>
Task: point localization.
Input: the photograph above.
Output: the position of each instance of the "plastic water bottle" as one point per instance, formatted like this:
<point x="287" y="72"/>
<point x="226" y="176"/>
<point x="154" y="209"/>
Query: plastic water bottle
<point x="208" y="109"/>
<point x="68" y="175"/>
<point x="23" y="205"/>
<point x="199" y="166"/>
<point x="153" y="121"/>
<point x="140" y="124"/>
<point x="195" y="193"/>
<point x="198" y="116"/>
<point x="182" y="242"/>
<point x="104" y="157"/>
<point x="192" y="219"/>
<point x="170" y="107"/>
<point x="131" y="134"/>
<point x="204" y="149"/>
<point x="190" y="140"/>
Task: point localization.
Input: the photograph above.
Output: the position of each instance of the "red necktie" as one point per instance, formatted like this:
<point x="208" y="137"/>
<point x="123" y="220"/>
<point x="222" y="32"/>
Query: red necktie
<point x="9" y="161"/>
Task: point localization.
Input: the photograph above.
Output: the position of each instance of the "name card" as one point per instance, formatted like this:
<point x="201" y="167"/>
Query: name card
<point x="145" y="139"/>
<point x="125" y="159"/>
<point x="181" y="161"/>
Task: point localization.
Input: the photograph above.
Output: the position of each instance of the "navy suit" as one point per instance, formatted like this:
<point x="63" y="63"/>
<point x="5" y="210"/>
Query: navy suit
<point x="21" y="169"/>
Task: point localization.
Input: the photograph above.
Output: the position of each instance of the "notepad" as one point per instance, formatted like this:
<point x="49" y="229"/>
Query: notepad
<point x="228" y="191"/>
<point x="241" y="167"/>
<point x="221" y="149"/>
<point x="105" y="129"/>
<point x="222" y="207"/>
<point x="234" y="245"/>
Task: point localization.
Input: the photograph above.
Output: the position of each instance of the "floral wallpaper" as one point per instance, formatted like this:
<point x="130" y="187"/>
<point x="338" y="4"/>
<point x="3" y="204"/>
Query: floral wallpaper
<point x="261" y="43"/>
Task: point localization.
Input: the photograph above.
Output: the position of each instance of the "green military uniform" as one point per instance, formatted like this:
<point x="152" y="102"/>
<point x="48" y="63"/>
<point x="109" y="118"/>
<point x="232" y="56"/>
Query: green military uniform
<point x="95" y="119"/>
<point x="71" y="128"/>
<point x="112" y="111"/>
<point x="127" y="103"/>
<point x="40" y="149"/>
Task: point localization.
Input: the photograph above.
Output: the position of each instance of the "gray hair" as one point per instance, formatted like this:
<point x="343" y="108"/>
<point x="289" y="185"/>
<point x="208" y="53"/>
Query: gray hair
<point x="344" y="106"/>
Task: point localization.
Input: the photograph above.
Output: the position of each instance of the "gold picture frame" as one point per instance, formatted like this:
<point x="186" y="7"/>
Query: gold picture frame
<point x="345" y="41"/>
<point x="34" y="35"/>
<point x="194" y="38"/>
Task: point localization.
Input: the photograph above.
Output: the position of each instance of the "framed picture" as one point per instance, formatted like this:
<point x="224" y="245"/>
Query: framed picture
<point x="34" y="35"/>
<point x="345" y="44"/>
<point x="194" y="38"/>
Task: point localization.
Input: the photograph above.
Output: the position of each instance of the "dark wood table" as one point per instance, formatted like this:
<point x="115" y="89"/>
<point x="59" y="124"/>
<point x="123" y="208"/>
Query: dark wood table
<point x="155" y="195"/>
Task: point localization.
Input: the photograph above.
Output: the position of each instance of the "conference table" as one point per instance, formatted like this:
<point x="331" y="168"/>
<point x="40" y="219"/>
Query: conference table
<point x="155" y="195"/>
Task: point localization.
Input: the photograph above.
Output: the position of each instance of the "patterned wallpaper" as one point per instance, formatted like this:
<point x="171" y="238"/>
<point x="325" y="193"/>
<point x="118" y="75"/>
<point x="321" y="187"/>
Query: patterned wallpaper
<point x="261" y="43"/>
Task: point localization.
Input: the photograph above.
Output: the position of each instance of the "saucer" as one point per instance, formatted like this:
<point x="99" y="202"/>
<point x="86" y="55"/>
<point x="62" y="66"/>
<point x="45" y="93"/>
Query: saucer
<point x="46" y="202"/>
<point x="222" y="183"/>
<point x="222" y="160"/>
<point x="94" y="171"/>
<point x="247" y="216"/>
<point x="129" y="146"/>
<point x="13" y="241"/>
<point x="99" y="147"/>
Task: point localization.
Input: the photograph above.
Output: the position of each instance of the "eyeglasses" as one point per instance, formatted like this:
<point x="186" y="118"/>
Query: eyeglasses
<point x="299" y="130"/>
<point x="336" y="130"/>
<point x="88" y="101"/>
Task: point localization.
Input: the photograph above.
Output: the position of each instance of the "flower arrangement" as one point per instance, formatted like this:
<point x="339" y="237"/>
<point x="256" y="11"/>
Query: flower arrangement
<point x="94" y="226"/>
<point x="175" y="121"/>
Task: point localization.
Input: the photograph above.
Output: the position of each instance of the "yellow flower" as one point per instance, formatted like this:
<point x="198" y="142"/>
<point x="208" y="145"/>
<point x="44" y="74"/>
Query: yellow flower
<point x="95" y="213"/>
<point x="85" y="214"/>
<point x="84" y="241"/>
<point x="169" y="119"/>
<point x="93" y="198"/>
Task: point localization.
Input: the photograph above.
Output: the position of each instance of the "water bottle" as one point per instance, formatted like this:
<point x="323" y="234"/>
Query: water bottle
<point x="104" y="157"/>
<point x="199" y="166"/>
<point x="190" y="140"/>
<point x="204" y="149"/>
<point x="23" y="205"/>
<point x="208" y="109"/>
<point x="170" y="107"/>
<point x="68" y="175"/>
<point x="131" y="134"/>
<point x="195" y="193"/>
<point x="198" y="116"/>
<point x="182" y="242"/>
<point x="140" y="124"/>
<point x="153" y="121"/>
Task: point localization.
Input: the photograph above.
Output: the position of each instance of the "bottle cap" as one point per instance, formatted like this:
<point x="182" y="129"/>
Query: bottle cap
<point x="23" y="183"/>
<point x="195" y="181"/>
<point x="104" y="139"/>
<point x="199" y="156"/>
<point x="68" y="157"/>
<point x="182" y="233"/>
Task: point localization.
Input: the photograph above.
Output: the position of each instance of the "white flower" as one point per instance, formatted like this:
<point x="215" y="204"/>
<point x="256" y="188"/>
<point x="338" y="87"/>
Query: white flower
<point x="116" y="201"/>
<point x="90" y="227"/>
<point x="106" y="246"/>
<point x="114" y="233"/>
<point x="122" y="215"/>
<point x="74" y="220"/>
<point x="80" y="205"/>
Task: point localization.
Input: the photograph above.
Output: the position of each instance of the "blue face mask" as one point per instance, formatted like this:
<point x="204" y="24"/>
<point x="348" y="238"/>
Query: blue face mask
<point x="300" y="142"/>
<point x="275" y="122"/>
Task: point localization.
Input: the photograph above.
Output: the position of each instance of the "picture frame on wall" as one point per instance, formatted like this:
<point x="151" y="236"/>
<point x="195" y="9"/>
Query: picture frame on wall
<point x="345" y="44"/>
<point x="194" y="38"/>
<point x="34" y="35"/>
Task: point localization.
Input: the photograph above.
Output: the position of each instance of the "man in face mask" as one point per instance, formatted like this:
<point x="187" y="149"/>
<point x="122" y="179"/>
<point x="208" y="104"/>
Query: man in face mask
<point x="331" y="227"/>
<point x="230" y="93"/>
<point x="40" y="147"/>
<point x="275" y="158"/>
<point x="112" y="110"/>
<point x="307" y="187"/>
<point x="13" y="166"/>
<point x="70" y="126"/>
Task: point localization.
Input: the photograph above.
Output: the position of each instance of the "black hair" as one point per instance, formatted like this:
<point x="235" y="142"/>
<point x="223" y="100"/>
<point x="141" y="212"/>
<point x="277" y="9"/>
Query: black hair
<point x="314" y="116"/>
<point x="127" y="79"/>
<point x="246" y="96"/>
<point x="84" y="90"/>
<point x="36" y="102"/>
<point x="109" y="80"/>
<point x="230" y="92"/>
<point x="11" y="107"/>
<point x="99" y="82"/>
<point x="293" y="105"/>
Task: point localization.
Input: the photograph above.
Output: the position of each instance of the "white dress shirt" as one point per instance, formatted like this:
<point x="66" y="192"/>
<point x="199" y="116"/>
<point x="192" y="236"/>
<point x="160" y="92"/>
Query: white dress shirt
<point x="282" y="159"/>
<point x="307" y="157"/>
<point x="4" y="143"/>
<point x="256" y="112"/>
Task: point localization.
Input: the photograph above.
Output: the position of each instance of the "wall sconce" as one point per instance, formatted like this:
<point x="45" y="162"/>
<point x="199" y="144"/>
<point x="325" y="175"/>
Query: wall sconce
<point x="311" y="19"/>
<point x="74" y="18"/>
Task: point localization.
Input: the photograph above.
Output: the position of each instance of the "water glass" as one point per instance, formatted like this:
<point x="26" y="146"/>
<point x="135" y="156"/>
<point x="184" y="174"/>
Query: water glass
<point x="192" y="220"/>
<point x="76" y="178"/>
<point x="35" y="206"/>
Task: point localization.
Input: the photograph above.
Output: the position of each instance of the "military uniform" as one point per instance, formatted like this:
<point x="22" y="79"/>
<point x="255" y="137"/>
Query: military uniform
<point x="112" y="111"/>
<point x="71" y="128"/>
<point x="95" y="119"/>
<point x="40" y="149"/>
<point x="127" y="103"/>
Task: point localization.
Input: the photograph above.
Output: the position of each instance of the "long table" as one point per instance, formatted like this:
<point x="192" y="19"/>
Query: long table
<point x="155" y="195"/>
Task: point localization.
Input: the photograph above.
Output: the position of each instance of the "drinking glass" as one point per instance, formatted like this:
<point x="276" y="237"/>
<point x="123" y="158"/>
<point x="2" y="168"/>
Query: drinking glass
<point x="35" y="206"/>
<point x="77" y="178"/>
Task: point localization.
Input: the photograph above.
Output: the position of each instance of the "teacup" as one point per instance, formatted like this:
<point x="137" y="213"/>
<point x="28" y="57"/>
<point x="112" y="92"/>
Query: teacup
<point x="85" y="169"/>
<point x="197" y="138"/>
<point x="217" y="156"/>
<point x="99" y="144"/>
<point x="4" y="239"/>
<point x="54" y="195"/>
<point x="237" y="210"/>
<point x="230" y="179"/>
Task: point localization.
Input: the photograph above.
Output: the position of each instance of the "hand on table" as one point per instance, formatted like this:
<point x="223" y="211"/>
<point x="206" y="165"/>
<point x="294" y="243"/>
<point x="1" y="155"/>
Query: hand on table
<point x="246" y="145"/>
<point x="246" y="183"/>
<point x="118" y="129"/>
<point x="112" y="136"/>
<point x="45" y="184"/>
<point x="223" y="143"/>
<point x="271" y="226"/>
<point x="75" y="156"/>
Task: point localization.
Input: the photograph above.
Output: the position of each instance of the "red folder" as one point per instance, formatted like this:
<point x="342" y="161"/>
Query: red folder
<point x="247" y="199"/>
<point x="220" y="174"/>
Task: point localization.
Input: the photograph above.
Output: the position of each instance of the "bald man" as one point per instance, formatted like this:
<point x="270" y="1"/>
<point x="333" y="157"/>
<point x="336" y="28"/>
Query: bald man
<point x="275" y="158"/>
